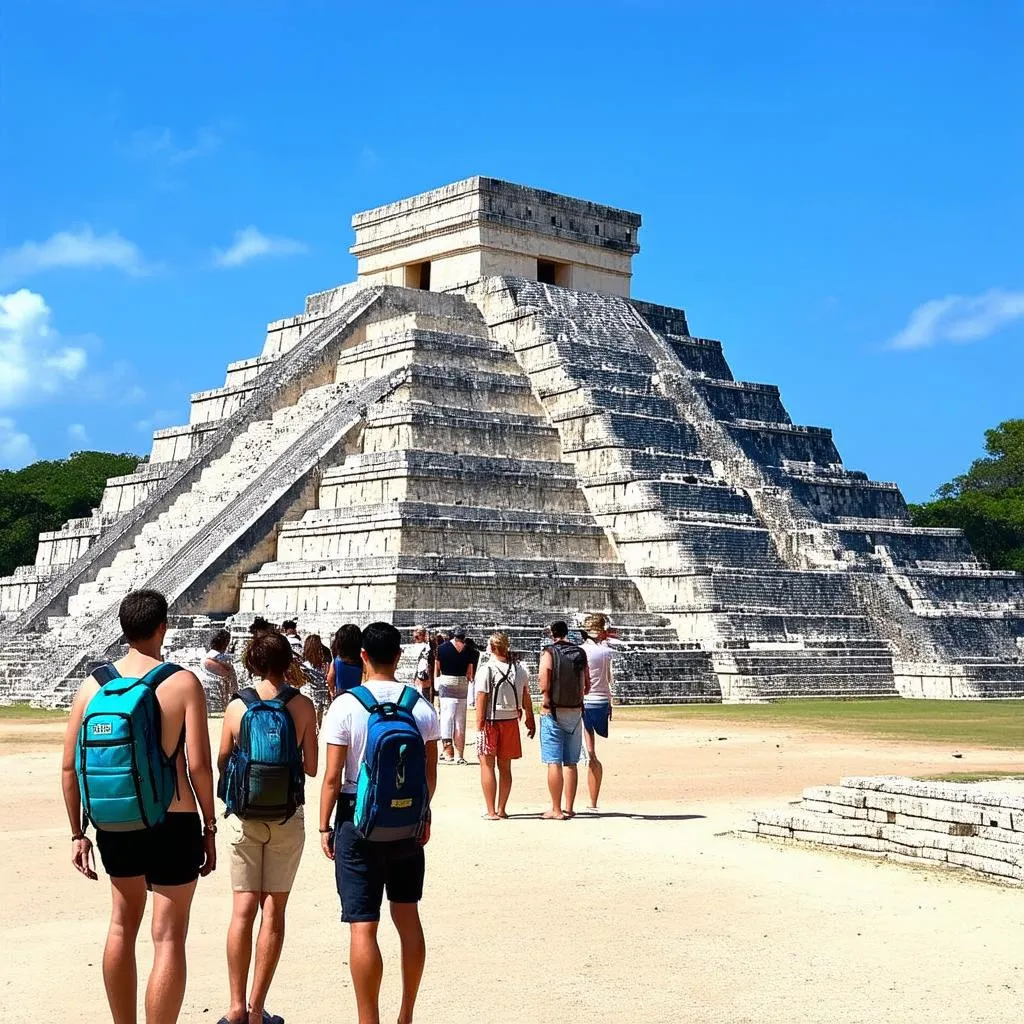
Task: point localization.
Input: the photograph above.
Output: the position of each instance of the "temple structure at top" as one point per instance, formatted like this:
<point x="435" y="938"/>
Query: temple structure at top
<point x="454" y="236"/>
<point x="484" y="428"/>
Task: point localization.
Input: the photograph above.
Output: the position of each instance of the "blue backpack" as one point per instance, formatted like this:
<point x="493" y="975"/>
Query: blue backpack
<point x="126" y="780"/>
<point x="264" y="779"/>
<point x="392" y="800"/>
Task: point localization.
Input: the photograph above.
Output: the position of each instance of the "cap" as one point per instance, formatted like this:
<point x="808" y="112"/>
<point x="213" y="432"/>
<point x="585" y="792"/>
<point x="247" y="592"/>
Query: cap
<point x="459" y="633"/>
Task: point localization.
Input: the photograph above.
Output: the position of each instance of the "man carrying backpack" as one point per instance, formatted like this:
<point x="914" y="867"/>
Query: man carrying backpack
<point x="563" y="679"/>
<point x="137" y="766"/>
<point x="381" y="773"/>
<point x="268" y="745"/>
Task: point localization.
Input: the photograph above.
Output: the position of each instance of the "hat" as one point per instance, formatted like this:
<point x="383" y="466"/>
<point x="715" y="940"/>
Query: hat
<point x="459" y="633"/>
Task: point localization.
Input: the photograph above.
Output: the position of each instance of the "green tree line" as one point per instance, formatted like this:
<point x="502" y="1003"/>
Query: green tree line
<point x="46" y="494"/>
<point x="986" y="502"/>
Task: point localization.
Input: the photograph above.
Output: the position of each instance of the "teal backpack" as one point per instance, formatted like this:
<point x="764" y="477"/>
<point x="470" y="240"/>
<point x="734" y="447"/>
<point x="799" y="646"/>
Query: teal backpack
<point x="126" y="780"/>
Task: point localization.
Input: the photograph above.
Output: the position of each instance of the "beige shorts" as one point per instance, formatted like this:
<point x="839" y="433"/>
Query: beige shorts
<point x="265" y="855"/>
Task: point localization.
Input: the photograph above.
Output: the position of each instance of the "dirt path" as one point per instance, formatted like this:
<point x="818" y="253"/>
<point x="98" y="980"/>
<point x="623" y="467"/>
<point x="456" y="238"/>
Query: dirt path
<point x="646" y="914"/>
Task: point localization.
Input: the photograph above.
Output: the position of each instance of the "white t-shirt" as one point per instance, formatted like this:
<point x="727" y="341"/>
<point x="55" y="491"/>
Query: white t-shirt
<point x="508" y="698"/>
<point x="207" y="675"/>
<point x="415" y="656"/>
<point x="599" y="659"/>
<point x="296" y="644"/>
<point x="345" y="725"/>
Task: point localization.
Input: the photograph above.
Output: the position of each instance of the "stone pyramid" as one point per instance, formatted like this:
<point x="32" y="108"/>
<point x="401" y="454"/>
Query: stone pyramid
<point x="485" y="429"/>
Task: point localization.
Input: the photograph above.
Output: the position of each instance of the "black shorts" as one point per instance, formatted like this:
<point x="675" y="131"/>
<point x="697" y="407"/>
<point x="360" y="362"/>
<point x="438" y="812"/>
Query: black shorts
<point x="364" y="870"/>
<point x="170" y="854"/>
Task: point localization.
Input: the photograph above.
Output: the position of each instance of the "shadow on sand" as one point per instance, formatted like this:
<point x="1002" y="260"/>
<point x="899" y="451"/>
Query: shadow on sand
<point x="588" y="816"/>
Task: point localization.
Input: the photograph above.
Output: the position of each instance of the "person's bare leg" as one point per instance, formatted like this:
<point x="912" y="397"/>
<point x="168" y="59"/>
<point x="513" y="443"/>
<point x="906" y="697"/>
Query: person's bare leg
<point x="166" y="988"/>
<point x="572" y="781"/>
<point x="595" y="770"/>
<point x="414" y="955"/>
<point x="460" y="731"/>
<point x="504" y="785"/>
<point x="447" y="749"/>
<point x="367" y="967"/>
<point x="120" y="975"/>
<point x="268" y="951"/>
<point x="555" y="791"/>
<point x="489" y="784"/>
<point x="243" y="915"/>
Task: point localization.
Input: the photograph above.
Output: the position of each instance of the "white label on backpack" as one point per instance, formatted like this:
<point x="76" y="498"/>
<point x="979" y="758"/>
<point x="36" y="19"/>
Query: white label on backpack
<point x="102" y="729"/>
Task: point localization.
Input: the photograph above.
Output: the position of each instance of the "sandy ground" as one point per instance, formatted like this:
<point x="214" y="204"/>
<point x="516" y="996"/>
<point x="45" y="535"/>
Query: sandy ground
<point x="652" y="912"/>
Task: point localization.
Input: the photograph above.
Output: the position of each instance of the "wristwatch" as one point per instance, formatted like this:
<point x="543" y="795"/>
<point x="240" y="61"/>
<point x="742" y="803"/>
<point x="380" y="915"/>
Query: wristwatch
<point x="324" y="831"/>
<point x="75" y="836"/>
<point x="210" y="827"/>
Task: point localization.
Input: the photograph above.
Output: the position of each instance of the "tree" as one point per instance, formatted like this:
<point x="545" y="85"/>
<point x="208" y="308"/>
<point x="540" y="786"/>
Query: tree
<point x="45" y="495"/>
<point x="986" y="502"/>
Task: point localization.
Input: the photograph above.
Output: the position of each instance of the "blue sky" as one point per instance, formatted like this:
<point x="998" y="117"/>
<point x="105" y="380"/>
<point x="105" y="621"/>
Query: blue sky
<point x="833" y="189"/>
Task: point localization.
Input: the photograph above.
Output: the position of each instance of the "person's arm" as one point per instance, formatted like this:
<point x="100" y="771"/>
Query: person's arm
<point x="199" y="765"/>
<point x="310" y="747"/>
<point x="437" y="665"/>
<point x="544" y="676"/>
<point x="330" y="680"/>
<point x="82" y="855"/>
<point x="218" y="668"/>
<point x="531" y="721"/>
<point x="611" y="683"/>
<point x="470" y="671"/>
<point x="329" y="796"/>
<point x="586" y="679"/>
<point x="431" y="748"/>
<point x="486" y="678"/>
<point x="228" y="738"/>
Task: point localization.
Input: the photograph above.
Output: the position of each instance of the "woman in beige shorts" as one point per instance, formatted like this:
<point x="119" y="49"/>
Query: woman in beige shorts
<point x="265" y="855"/>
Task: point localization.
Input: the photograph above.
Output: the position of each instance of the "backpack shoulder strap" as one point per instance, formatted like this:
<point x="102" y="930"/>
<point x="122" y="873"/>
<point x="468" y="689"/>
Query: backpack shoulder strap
<point x="287" y="694"/>
<point x="104" y="673"/>
<point x="410" y="698"/>
<point x="363" y="695"/>
<point x="248" y="696"/>
<point x="155" y="676"/>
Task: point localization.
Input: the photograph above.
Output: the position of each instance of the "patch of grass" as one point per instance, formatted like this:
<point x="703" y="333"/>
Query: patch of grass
<point x="977" y="723"/>
<point x="971" y="777"/>
<point x="27" y="713"/>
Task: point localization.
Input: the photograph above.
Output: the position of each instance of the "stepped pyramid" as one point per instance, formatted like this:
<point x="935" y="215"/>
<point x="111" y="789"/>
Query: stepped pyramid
<point x="484" y="428"/>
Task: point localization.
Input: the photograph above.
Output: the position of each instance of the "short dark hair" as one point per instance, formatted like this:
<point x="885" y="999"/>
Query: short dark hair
<point x="219" y="640"/>
<point x="558" y="629"/>
<point x="347" y="643"/>
<point x="260" y="625"/>
<point x="141" y="614"/>
<point x="267" y="655"/>
<point x="289" y="624"/>
<point x="382" y="643"/>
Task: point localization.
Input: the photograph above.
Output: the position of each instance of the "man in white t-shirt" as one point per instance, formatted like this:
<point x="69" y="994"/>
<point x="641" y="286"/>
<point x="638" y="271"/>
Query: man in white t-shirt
<point x="597" y="704"/>
<point x="365" y="869"/>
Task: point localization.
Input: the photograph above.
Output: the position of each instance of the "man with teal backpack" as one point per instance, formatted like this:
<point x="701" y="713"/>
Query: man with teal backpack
<point x="383" y="736"/>
<point x="137" y="768"/>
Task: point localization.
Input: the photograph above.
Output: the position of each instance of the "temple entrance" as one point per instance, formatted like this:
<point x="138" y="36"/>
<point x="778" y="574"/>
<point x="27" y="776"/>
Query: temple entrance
<point x="417" y="275"/>
<point x="550" y="272"/>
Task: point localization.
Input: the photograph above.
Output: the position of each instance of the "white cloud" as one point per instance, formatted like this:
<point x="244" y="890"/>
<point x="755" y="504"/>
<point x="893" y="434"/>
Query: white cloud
<point x="77" y="433"/>
<point x="33" y="360"/>
<point x="960" y="318"/>
<point x="250" y="243"/>
<point x="159" y="144"/>
<point x="157" y="419"/>
<point x="82" y="249"/>
<point x="16" y="448"/>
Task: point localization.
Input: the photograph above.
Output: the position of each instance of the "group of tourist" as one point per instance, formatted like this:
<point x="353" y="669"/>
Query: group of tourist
<point x="152" y="802"/>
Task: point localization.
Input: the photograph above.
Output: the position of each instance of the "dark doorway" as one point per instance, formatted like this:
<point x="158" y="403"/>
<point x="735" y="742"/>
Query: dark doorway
<point x="417" y="275"/>
<point x="550" y="272"/>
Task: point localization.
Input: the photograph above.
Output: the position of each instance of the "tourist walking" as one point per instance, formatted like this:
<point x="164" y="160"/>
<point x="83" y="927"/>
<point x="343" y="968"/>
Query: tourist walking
<point x="217" y="669"/>
<point x="273" y="724"/>
<point x="563" y="679"/>
<point x="474" y="656"/>
<point x="346" y="669"/>
<point x="370" y="731"/>
<point x="418" y="652"/>
<point x="502" y="701"/>
<point x="597" y="703"/>
<point x="154" y="817"/>
<point x="453" y="672"/>
<point x="290" y="630"/>
<point x="316" y="660"/>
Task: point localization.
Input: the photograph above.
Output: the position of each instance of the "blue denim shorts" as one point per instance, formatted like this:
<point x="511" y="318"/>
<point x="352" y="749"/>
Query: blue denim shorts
<point x="595" y="718"/>
<point x="559" y="745"/>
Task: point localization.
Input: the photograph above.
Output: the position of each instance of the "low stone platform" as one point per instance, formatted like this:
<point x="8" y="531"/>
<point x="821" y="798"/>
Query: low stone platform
<point x="978" y="826"/>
